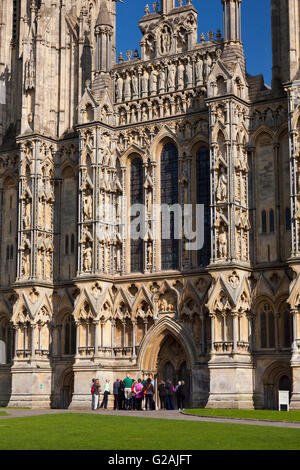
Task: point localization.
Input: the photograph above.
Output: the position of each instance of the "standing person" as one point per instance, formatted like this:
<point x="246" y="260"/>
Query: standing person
<point x="162" y="395"/>
<point x="97" y="391"/>
<point x="170" y="395"/>
<point x="121" y="396"/>
<point x="177" y="393"/>
<point x="182" y="395"/>
<point x="149" y="389"/>
<point x="139" y="394"/>
<point x="133" y="396"/>
<point x="105" y="394"/>
<point x="93" y="393"/>
<point x="116" y="387"/>
<point x="127" y="383"/>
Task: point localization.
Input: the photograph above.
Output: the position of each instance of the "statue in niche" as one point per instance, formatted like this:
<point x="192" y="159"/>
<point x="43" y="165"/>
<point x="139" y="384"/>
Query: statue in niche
<point x="199" y="72"/>
<point x="127" y="88"/>
<point x="155" y="110"/>
<point x="27" y="215"/>
<point x="149" y="45"/>
<point x="149" y="202"/>
<point x="162" y="81"/>
<point x="41" y="212"/>
<point x="165" y="40"/>
<point x="145" y="79"/>
<point x="119" y="88"/>
<point x="87" y="257"/>
<point x="48" y="263"/>
<point x="144" y="113"/>
<point x="222" y="186"/>
<point x="87" y="206"/>
<point x="118" y="257"/>
<point x="171" y="76"/>
<point x="180" y="76"/>
<point x="189" y="74"/>
<point x="134" y="83"/>
<point x="223" y="242"/>
<point x="149" y="253"/>
<point x="153" y="82"/>
<point x="26" y="261"/>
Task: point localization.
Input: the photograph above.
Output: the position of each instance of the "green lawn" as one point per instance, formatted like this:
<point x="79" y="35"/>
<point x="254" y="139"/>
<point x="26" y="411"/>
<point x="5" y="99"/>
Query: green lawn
<point x="3" y="413"/>
<point x="250" y="414"/>
<point x="98" y="432"/>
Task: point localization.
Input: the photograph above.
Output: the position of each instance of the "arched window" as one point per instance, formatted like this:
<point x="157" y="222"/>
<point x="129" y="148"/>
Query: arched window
<point x="136" y="197"/>
<point x="5" y="342"/>
<point x="67" y="245"/>
<point x="287" y="329"/>
<point x="267" y="327"/>
<point x="169" y="196"/>
<point x="272" y="224"/>
<point x="287" y="218"/>
<point x="203" y="197"/>
<point x="264" y="222"/>
<point x="69" y="335"/>
<point x="72" y="243"/>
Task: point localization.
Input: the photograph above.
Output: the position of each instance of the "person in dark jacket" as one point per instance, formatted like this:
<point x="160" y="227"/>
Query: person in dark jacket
<point x="149" y="389"/>
<point x="121" y="395"/>
<point x="181" y="395"/>
<point x="116" y="387"/>
<point x="162" y="395"/>
<point x="170" y="395"/>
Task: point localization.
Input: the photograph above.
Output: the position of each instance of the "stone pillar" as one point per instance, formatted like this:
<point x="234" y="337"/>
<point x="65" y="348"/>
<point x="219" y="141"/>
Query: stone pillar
<point x="212" y="318"/>
<point x="97" y="325"/>
<point x="235" y="330"/>
<point x="133" y="337"/>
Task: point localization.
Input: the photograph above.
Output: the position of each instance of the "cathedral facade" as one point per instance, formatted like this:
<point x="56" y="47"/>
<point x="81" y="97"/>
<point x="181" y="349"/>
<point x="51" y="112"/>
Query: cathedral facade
<point x="84" y="138"/>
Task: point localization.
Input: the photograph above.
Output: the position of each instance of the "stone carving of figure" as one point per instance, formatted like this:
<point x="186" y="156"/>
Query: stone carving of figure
<point x="26" y="261"/>
<point x="171" y="77"/>
<point x="119" y="88"/>
<point x="134" y="83"/>
<point x="40" y="212"/>
<point x="144" y="113"/>
<point x="149" y="253"/>
<point x="127" y="88"/>
<point x="87" y="257"/>
<point x="162" y="81"/>
<point x="153" y="82"/>
<point x="165" y="43"/>
<point x="222" y="243"/>
<point x="87" y="207"/>
<point x="199" y="72"/>
<point x="180" y="76"/>
<point x="189" y="74"/>
<point x="145" y="78"/>
<point x="222" y="186"/>
<point x="48" y="264"/>
<point x="27" y="216"/>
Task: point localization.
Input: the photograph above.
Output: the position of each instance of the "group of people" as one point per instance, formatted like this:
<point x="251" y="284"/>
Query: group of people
<point x="131" y="394"/>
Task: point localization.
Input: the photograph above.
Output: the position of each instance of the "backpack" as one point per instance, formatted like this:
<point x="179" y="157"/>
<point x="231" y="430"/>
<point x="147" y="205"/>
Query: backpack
<point x="93" y="389"/>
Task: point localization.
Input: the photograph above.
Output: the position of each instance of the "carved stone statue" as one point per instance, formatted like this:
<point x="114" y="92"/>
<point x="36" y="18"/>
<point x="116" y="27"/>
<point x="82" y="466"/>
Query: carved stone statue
<point x="87" y="207"/>
<point x="165" y="40"/>
<point x="180" y="76"/>
<point x="223" y="242"/>
<point x="153" y="82"/>
<point x="222" y="186"/>
<point x="119" y="88"/>
<point x="189" y="74"/>
<point x="26" y="261"/>
<point x="171" y="77"/>
<point x="145" y="79"/>
<point x="199" y="72"/>
<point x="87" y="257"/>
<point x="127" y="88"/>
<point x="162" y="81"/>
<point x="134" y="83"/>
<point x="27" y="215"/>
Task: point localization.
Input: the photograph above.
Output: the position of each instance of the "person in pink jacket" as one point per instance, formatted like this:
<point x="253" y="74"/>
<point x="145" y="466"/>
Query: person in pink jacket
<point x="139" y="394"/>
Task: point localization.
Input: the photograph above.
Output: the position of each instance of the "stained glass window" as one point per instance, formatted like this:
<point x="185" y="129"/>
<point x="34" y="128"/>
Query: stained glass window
<point x="203" y="197"/>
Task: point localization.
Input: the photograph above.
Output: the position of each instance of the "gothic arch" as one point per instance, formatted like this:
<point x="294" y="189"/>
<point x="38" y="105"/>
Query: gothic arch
<point x="151" y="344"/>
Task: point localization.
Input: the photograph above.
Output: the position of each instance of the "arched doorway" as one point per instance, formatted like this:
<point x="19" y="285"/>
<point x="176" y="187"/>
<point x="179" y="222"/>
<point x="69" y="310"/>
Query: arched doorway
<point x="172" y="364"/>
<point x="277" y="377"/>
<point x="67" y="389"/>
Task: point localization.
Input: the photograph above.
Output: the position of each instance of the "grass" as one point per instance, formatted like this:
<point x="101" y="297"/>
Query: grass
<point x="14" y="408"/>
<point x="250" y="414"/>
<point x="96" y="432"/>
<point x="3" y="413"/>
